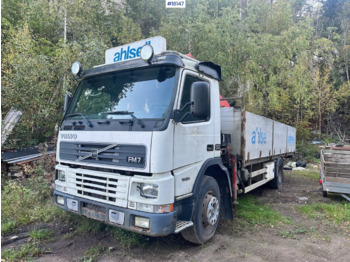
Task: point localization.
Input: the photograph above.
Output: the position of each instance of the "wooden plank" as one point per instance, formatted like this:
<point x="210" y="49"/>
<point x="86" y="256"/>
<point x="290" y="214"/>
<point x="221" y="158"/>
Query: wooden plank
<point x="337" y="175"/>
<point x="335" y="154"/>
<point x="326" y="152"/>
<point x="341" y="148"/>
<point x="341" y="180"/>
<point x="337" y="165"/>
<point x="337" y="168"/>
<point x="327" y="173"/>
<point x="336" y="158"/>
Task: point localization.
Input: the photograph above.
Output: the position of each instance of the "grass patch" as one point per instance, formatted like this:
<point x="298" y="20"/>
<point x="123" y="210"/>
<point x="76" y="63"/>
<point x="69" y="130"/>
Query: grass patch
<point x="128" y="239"/>
<point x="8" y="226"/>
<point x="251" y="212"/>
<point x="338" y="213"/>
<point x="69" y="235"/>
<point x="26" y="252"/>
<point x="41" y="234"/>
<point x="85" y="225"/>
<point x="298" y="230"/>
<point x="26" y="201"/>
<point x="312" y="173"/>
<point x="92" y="254"/>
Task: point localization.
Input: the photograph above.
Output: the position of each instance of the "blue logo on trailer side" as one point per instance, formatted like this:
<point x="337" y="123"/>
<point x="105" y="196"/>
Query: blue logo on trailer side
<point x="291" y="139"/>
<point x="128" y="53"/>
<point x="259" y="135"/>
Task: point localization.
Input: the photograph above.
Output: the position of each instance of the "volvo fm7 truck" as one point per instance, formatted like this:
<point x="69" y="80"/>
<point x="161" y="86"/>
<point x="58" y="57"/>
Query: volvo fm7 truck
<point x="145" y="146"/>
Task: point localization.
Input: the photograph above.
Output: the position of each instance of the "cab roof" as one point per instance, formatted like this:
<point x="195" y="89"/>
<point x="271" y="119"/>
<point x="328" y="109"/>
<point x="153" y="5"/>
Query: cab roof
<point x="166" y="58"/>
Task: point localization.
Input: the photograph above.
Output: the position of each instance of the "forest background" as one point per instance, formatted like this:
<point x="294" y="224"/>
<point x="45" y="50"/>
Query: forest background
<point x="292" y="57"/>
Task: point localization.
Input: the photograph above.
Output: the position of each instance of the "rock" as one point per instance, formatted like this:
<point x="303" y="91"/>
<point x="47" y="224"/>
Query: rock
<point x="298" y="168"/>
<point x="303" y="199"/>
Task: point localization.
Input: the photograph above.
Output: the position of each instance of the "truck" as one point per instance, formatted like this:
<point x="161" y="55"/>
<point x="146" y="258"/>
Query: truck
<point x="145" y="146"/>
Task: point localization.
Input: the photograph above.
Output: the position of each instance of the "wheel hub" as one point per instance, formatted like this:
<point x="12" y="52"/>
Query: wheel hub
<point x="210" y="210"/>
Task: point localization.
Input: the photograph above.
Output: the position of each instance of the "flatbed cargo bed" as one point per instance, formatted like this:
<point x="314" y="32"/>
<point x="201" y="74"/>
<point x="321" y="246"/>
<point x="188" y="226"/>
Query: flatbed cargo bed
<point x="256" y="138"/>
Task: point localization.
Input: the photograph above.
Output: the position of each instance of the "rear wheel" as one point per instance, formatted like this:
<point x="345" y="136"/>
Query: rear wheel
<point x="324" y="193"/>
<point x="206" y="212"/>
<point x="277" y="182"/>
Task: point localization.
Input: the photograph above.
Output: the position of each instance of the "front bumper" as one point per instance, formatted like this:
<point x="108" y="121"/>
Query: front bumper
<point x="160" y="224"/>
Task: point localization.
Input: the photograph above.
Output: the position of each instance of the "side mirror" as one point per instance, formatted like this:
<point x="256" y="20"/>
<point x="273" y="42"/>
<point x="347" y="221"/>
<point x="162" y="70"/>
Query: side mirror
<point x="67" y="99"/>
<point x="200" y="98"/>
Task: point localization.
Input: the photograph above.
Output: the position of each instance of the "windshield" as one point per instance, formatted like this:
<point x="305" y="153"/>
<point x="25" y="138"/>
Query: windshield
<point x="144" y="93"/>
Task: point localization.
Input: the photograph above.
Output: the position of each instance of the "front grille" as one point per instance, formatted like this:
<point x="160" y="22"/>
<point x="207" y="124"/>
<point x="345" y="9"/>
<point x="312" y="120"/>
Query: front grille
<point x="103" y="187"/>
<point x="118" y="155"/>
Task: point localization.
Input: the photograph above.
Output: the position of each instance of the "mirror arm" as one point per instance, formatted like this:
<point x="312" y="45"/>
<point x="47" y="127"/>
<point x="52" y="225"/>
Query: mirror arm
<point x="184" y="116"/>
<point x="178" y="111"/>
<point x="186" y="105"/>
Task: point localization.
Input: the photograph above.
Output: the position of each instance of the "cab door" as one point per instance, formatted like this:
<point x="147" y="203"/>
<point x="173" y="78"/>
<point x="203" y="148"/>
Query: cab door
<point x="194" y="137"/>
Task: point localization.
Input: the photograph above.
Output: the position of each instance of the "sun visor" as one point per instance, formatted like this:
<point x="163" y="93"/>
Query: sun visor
<point x="210" y="69"/>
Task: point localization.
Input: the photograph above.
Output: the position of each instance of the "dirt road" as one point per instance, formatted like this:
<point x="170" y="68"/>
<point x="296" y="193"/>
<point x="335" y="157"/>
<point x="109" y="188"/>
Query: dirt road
<point x="303" y="239"/>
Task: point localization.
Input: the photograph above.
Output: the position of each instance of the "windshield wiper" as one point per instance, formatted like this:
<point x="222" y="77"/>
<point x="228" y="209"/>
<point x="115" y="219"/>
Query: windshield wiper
<point x="84" y="118"/>
<point x="138" y="121"/>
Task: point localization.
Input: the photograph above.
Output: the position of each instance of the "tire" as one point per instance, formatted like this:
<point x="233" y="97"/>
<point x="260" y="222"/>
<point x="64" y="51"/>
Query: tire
<point x="206" y="212"/>
<point x="277" y="182"/>
<point x="324" y="193"/>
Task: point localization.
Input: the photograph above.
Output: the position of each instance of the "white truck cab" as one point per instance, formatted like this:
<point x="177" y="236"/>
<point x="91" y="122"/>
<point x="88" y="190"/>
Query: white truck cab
<point x="141" y="145"/>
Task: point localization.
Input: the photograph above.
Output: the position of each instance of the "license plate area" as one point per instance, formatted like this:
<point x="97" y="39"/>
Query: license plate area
<point x="94" y="211"/>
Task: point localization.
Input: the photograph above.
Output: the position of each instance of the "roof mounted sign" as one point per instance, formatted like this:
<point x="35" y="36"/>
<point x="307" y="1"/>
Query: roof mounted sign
<point x="132" y="51"/>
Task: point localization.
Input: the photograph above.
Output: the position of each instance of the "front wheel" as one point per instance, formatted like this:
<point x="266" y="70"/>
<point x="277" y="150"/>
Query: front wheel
<point x="206" y="212"/>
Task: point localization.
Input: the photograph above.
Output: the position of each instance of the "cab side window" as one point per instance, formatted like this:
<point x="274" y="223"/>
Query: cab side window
<point x="185" y="98"/>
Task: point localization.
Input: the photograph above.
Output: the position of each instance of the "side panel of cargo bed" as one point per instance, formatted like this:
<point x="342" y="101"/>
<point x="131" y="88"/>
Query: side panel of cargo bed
<point x="231" y="121"/>
<point x="256" y="138"/>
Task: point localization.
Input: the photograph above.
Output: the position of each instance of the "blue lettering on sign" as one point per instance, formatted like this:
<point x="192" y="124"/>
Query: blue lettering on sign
<point x="291" y="139"/>
<point x="128" y="53"/>
<point x="259" y="136"/>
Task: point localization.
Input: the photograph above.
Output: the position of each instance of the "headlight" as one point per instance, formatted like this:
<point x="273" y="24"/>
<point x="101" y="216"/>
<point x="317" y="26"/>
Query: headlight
<point x="142" y="222"/>
<point x="61" y="175"/>
<point x="148" y="190"/>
